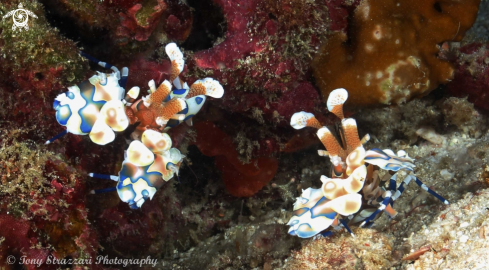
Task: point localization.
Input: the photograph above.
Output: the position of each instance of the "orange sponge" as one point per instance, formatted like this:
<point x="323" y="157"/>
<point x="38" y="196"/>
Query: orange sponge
<point x="390" y="53"/>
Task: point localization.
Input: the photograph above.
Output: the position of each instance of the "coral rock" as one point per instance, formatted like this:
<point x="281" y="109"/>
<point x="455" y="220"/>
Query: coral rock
<point x="461" y="113"/>
<point x="472" y="75"/>
<point x="148" y="231"/>
<point x="339" y="11"/>
<point x="140" y="27"/>
<point x="241" y="180"/>
<point x="265" y="55"/>
<point x="368" y="250"/>
<point x="42" y="204"/>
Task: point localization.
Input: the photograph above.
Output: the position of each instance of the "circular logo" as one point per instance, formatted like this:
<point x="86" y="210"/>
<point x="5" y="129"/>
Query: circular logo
<point x="20" y="17"/>
<point x="11" y="259"/>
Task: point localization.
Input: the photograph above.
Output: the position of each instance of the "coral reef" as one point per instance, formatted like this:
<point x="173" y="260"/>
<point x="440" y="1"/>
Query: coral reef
<point x="139" y="27"/>
<point x="389" y="54"/>
<point x="263" y="59"/>
<point x="227" y="210"/>
<point x="152" y="231"/>
<point x="39" y="63"/>
<point x="242" y="246"/>
<point x="127" y="23"/>
<point x="34" y="69"/>
<point x="471" y="75"/>
<point x="42" y="207"/>
<point x="436" y="163"/>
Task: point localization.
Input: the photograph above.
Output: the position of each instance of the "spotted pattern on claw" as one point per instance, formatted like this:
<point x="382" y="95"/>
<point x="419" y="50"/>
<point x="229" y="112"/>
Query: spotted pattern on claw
<point x="176" y="68"/>
<point x="351" y="133"/>
<point x="144" y="171"/>
<point x="79" y="108"/>
<point x="161" y="93"/>
<point x="208" y="87"/>
<point x="177" y="101"/>
<point x="173" y="51"/>
<point x="172" y="107"/>
<point x="196" y="89"/>
<point x="176" y="58"/>
<point x="155" y="141"/>
<point x="304" y="119"/>
<point x="330" y="142"/>
<point x="304" y="223"/>
<point x="336" y="100"/>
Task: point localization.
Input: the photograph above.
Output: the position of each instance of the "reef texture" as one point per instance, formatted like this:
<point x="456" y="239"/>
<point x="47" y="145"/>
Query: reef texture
<point x="42" y="205"/>
<point x="344" y="252"/>
<point x="264" y="58"/>
<point x="36" y="65"/>
<point x="126" y="23"/>
<point x="241" y="180"/>
<point x="472" y="75"/>
<point x="457" y="239"/>
<point x="244" y="165"/>
<point x="389" y="53"/>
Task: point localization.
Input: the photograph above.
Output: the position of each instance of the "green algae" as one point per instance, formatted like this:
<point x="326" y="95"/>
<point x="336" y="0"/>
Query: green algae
<point x="148" y="8"/>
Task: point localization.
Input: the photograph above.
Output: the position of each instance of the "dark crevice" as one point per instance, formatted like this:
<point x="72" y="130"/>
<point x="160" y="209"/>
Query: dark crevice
<point x="439" y="92"/>
<point x="438" y="7"/>
<point x="87" y="37"/>
<point x="195" y="179"/>
<point x="351" y="28"/>
<point x="208" y="25"/>
<point x="39" y="76"/>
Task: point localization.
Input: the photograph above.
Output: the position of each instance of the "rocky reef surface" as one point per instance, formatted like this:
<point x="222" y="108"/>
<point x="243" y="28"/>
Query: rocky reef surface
<point x="245" y="165"/>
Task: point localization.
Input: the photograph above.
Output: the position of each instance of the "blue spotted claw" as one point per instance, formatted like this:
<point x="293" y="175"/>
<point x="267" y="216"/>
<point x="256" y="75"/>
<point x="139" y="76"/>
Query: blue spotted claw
<point x="314" y="213"/>
<point x="93" y="107"/>
<point x="148" y="164"/>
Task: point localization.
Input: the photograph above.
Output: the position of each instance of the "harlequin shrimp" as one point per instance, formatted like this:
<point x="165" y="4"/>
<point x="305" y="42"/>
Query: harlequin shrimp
<point x="98" y="106"/>
<point x="338" y="201"/>
<point x="147" y="165"/>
